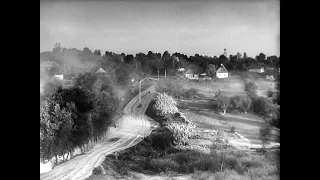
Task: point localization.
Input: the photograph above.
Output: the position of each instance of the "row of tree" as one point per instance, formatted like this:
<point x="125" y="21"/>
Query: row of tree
<point x="122" y="66"/>
<point x="71" y="117"/>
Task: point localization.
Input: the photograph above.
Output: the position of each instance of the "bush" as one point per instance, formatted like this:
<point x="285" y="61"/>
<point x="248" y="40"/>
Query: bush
<point x="232" y="129"/>
<point x="165" y="104"/>
<point x="251" y="89"/>
<point x="264" y="107"/>
<point x="265" y="133"/>
<point x="163" y="165"/>
<point x="179" y="132"/>
<point x="201" y="175"/>
<point x="181" y="158"/>
<point x="191" y="93"/>
<point x="222" y="102"/>
<point x="269" y="93"/>
<point x="170" y="87"/>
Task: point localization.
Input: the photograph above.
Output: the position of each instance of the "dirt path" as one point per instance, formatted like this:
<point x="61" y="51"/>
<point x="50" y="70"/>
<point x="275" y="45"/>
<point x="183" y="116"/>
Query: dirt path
<point x="133" y="126"/>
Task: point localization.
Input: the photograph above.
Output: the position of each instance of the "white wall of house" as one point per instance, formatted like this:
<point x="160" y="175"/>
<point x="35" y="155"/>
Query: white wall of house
<point x="192" y="76"/>
<point x="60" y="77"/>
<point x="222" y="75"/>
<point x="257" y="70"/>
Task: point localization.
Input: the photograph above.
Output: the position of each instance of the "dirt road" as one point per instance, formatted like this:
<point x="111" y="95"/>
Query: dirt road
<point x="131" y="128"/>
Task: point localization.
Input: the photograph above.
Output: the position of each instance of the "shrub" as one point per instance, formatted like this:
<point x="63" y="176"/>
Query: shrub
<point x="191" y="93"/>
<point x="207" y="164"/>
<point x="232" y="129"/>
<point x="251" y="89"/>
<point x="202" y="175"/>
<point x="181" y="158"/>
<point x="163" y="165"/>
<point x="180" y="132"/>
<point x="170" y="87"/>
<point x="222" y="102"/>
<point x="265" y="133"/>
<point x="165" y="104"/>
<point x="269" y="93"/>
<point x="263" y="106"/>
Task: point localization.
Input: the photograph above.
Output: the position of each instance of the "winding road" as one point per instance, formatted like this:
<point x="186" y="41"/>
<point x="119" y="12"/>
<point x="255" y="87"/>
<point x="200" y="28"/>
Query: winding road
<point x="130" y="130"/>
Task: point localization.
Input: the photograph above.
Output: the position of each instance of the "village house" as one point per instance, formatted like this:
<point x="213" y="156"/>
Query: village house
<point x="222" y="72"/>
<point x="257" y="68"/>
<point x="192" y="72"/>
<point x="100" y="71"/>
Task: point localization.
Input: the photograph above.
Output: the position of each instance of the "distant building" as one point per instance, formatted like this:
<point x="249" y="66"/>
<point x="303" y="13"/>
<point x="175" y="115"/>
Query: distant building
<point x="256" y="68"/>
<point x="192" y="72"/>
<point x="46" y="65"/>
<point x="101" y="71"/>
<point x="60" y="77"/>
<point x="225" y="53"/>
<point x="222" y="72"/>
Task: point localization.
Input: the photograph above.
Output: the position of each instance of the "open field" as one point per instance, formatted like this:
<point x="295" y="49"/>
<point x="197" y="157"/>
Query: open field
<point x="233" y="85"/>
<point x="246" y="124"/>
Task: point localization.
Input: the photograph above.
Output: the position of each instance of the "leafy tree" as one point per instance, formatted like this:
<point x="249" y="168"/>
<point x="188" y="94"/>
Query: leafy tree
<point x="106" y="103"/>
<point x="97" y="52"/>
<point x="246" y="104"/>
<point x="265" y="134"/>
<point x="50" y="86"/>
<point x="251" y="89"/>
<point x="57" y="48"/>
<point x="222" y="102"/>
<point x="165" y="104"/>
<point x="264" y="107"/>
<point x="261" y="57"/>
<point x="56" y="129"/>
<point x="245" y="55"/>
<point x="211" y="70"/>
<point x="83" y="99"/>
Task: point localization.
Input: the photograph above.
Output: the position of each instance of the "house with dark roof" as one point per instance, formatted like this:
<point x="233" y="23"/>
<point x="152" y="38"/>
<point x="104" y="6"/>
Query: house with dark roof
<point x="192" y="72"/>
<point x="256" y="68"/>
<point x="222" y="72"/>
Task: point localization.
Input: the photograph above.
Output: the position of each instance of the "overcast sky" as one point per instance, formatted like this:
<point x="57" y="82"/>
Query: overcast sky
<point x="189" y="27"/>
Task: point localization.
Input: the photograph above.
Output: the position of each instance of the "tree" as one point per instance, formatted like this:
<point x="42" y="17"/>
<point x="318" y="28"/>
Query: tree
<point x="97" y="52"/>
<point x="261" y="57"/>
<point x="246" y="104"/>
<point x="245" y="55"/>
<point x="222" y="102"/>
<point x="265" y="134"/>
<point x="251" y="89"/>
<point x="57" y="48"/>
<point x="83" y="99"/>
<point x="238" y="56"/>
<point x="56" y="127"/>
<point x="165" y="104"/>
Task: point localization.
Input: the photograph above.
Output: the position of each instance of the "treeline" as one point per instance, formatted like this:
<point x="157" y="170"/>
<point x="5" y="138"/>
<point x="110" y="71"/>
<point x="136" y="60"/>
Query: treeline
<point x="121" y="66"/>
<point x="72" y="117"/>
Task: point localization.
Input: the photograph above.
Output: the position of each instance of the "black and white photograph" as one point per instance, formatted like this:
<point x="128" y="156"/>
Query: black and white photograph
<point x="159" y="90"/>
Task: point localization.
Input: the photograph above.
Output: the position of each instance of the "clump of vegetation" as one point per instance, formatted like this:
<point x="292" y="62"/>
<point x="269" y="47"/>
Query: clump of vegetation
<point x="251" y="89"/>
<point x="265" y="134"/>
<point x="232" y="129"/>
<point x="165" y="104"/>
<point x="221" y="102"/>
<point x="191" y="93"/>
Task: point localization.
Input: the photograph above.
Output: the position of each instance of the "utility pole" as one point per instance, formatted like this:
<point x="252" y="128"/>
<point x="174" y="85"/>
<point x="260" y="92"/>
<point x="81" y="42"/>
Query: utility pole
<point x="158" y="74"/>
<point x="165" y="74"/>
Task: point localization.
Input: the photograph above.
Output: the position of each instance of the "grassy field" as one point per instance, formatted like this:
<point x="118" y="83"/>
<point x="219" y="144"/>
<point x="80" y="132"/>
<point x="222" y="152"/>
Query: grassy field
<point x="233" y="85"/>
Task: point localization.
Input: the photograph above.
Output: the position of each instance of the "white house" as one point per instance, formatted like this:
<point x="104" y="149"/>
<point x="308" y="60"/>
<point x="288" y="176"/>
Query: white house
<point x="60" y="77"/>
<point x="256" y="68"/>
<point x="222" y="72"/>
